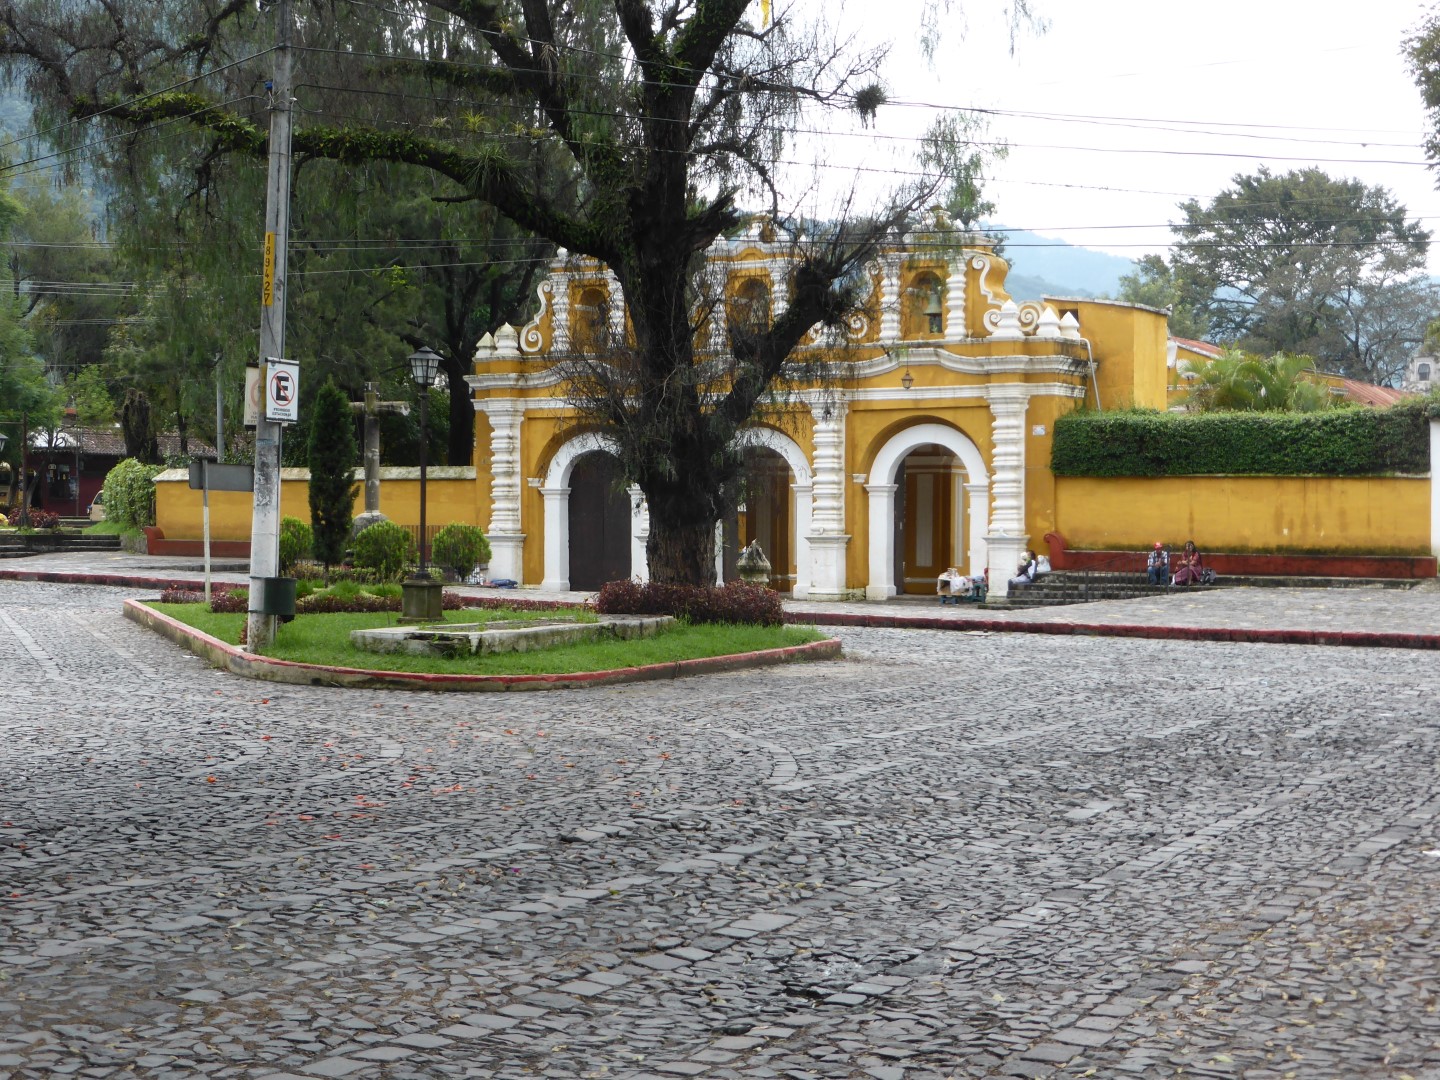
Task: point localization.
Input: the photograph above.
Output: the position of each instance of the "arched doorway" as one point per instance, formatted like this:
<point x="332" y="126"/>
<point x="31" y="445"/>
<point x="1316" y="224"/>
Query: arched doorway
<point x="942" y="523"/>
<point x="599" y="522"/>
<point x="929" y="518"/>
<point x="764" y="514"/>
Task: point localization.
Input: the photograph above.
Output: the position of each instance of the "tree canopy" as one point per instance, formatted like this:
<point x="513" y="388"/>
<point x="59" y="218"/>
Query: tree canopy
<point x="626" y="130"/>
<point x="1302" y="262"/>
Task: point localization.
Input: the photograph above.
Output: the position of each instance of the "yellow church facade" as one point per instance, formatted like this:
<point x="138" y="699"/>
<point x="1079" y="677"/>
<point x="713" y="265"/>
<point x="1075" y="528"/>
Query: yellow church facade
<point x="926" y="447"/>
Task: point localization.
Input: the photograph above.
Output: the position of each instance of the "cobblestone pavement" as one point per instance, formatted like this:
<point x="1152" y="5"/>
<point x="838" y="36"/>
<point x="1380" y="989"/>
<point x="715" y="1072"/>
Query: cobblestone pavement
<point x="949" y="855"/>
<point x="1415" y="610"/>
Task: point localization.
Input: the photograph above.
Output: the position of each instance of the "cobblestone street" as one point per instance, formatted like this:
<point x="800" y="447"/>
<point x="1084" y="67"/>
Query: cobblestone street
<point x="947" y="855"/>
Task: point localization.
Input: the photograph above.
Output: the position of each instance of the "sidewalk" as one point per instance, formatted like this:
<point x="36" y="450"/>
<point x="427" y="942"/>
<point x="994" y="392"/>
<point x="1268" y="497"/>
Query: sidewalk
<point x="1401" y="618"/>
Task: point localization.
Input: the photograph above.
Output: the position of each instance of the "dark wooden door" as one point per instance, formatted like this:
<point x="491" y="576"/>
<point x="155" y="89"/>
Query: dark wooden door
<point x="599" y="523"/>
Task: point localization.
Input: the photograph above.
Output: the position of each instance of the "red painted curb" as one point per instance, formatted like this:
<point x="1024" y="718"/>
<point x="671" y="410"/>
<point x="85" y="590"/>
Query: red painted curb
<point x="1377" y="639"/>
<point x="231" y="658"/>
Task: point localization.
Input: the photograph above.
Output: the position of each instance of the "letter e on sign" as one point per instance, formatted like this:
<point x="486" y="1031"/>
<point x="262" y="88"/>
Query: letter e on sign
<point x="282" y="391"/>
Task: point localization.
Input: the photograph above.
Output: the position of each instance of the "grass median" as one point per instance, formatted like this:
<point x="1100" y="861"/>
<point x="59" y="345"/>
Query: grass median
<point x="325" y="640"/>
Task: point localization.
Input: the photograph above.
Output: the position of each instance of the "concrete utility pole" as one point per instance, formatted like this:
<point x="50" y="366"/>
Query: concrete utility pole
<point x="265" y="524"/>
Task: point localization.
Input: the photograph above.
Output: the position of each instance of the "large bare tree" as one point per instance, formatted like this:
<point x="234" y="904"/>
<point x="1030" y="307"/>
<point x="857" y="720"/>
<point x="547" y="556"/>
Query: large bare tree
<point x="625" y="130"/>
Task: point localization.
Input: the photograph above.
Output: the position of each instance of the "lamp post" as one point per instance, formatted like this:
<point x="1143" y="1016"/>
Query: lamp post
<point x="420" y="599"/>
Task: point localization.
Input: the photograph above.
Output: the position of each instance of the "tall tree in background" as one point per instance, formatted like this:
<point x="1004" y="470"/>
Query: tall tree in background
<point x="333" y="455"/>
<point x="1153" y="284"/>
<point x="626" y="130"/>
<point x="1305" y="263"/>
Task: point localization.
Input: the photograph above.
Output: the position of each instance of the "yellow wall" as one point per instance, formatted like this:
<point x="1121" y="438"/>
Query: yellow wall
<point x="1129" y="341"/>
<point x="1374" y="515"/>
<point x="179" y="512"/>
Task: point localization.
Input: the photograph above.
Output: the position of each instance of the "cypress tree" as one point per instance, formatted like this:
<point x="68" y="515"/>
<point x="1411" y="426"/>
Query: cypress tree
<point x="332" y="456"/>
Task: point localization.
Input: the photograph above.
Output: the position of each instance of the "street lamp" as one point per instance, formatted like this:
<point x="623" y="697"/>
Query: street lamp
<point x="424" y="365"/>
<point x="420" y="597"/>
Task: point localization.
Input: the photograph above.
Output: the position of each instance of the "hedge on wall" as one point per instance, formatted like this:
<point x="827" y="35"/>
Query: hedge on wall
<point x="1337" y="442"/>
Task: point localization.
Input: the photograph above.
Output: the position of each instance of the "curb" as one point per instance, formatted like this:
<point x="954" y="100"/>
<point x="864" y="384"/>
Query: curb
<point x="1371" y="639"/>
<point x="231" y="658"/>
<point x="1374" y="639"/>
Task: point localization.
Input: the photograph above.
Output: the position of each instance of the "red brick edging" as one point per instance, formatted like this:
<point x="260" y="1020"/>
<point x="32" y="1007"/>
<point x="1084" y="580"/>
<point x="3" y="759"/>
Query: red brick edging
<point x="1378" y="639"/>
<point x="230" y="658"/>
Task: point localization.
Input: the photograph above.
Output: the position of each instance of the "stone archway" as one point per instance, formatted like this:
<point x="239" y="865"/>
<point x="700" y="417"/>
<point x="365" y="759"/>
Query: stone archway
<point x="556" y="492"/>
<point x="801" y="487"/>
<point x="882" y="485"/>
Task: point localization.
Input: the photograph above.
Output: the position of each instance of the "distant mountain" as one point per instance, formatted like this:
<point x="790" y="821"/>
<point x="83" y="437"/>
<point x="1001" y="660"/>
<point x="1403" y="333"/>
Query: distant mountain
<point x="1044" y="266"/>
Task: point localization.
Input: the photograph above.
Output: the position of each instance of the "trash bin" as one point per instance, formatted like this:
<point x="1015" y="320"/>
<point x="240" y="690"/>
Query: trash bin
<point x="277" y="597"/>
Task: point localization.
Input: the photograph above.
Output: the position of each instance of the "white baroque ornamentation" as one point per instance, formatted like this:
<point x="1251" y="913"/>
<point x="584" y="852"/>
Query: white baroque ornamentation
<point x="505" y="420"/>
<point x="615" y="297"/>
<point x="1007" y="477"/>
<point x="531" y="339"/>
<point x="984" y="264"/>
<point x="828" y="515"/>
<point x="1011" y="321"/>
<point x="955" y="300"/>
<point x="890" y="297"/>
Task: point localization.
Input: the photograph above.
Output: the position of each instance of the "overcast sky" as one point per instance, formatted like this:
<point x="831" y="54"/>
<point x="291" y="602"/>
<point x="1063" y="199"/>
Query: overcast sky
<point x="1172" y="99"/>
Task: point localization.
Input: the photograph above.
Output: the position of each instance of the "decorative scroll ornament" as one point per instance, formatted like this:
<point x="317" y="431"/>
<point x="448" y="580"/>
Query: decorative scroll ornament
<point x="531" y="339"/>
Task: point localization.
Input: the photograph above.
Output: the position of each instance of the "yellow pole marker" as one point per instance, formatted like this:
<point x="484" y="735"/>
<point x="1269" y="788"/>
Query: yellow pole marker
<point x="267" y="290"/>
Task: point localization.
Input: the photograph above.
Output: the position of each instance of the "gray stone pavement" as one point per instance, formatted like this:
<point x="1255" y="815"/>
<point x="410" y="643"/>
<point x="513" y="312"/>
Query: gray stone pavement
<point x="1414" y="610"/>
<point x="948" y="855"/>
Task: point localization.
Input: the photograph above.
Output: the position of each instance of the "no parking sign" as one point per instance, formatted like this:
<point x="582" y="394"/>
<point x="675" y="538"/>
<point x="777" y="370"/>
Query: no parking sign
<point x="282" y="391"/>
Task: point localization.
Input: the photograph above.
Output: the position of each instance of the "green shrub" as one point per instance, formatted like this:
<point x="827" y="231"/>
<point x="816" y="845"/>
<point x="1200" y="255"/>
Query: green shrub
<point x="735" y="602"/>
<point x="296" y="542"/>
<point x="385" y="549"/>
<point x="130" y="493"/>
<point x="1339" y="442"/>
<point x="459" y="548"/>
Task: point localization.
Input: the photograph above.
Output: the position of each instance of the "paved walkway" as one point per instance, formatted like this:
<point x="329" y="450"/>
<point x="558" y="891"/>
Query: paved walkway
<point x="1370" y="610"/>
<point x="944" y="856"/>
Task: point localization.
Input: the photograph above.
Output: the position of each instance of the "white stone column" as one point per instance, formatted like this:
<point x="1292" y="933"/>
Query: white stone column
<point x="802" y="494"/>
<point x="720" y="553"/>
<point x="881" y="585"/>
<point x="890" y="297"/>
<point x="977" y="517"/>
<point x="828" y="539"/>
<point x="1435" y="487"/>
<point x="557" y="539"/>
<point x="639" y="534"/>
<point x="1007" y="537"/>
<point x="507" y="541"/>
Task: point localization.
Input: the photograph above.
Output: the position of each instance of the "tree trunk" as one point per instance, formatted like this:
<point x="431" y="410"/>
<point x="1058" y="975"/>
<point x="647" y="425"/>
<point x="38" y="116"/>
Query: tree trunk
<point x="681" y="552"/>
<point x="461" y="450"/>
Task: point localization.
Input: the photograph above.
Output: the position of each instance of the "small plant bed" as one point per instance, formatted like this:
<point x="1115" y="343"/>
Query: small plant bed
<point x="324" y="639"/>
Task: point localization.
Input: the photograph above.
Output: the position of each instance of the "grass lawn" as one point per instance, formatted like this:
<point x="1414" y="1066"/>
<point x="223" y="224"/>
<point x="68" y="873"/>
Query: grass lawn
<point x="325" y="639"/>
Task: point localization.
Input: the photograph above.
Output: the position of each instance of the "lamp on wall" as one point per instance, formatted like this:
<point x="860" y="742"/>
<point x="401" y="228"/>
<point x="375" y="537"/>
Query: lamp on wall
<point x="907" y="380"/>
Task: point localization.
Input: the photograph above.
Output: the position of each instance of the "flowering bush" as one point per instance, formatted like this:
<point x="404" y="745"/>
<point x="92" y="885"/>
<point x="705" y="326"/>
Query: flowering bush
<point x="39" y="519"/>
<point x="516" y="604"/>
<point x="735" y="602"/>
<point x="229" y="601"/>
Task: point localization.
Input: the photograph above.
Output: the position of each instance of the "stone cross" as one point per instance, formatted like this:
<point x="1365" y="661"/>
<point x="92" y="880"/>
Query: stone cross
<point x="372" y="408"/>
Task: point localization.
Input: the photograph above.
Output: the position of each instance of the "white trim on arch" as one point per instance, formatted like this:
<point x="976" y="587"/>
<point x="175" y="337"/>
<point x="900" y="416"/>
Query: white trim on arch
<point x="801" y="488"/>
<point x="880" y="487"/>
<point x="556" y="492"/>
